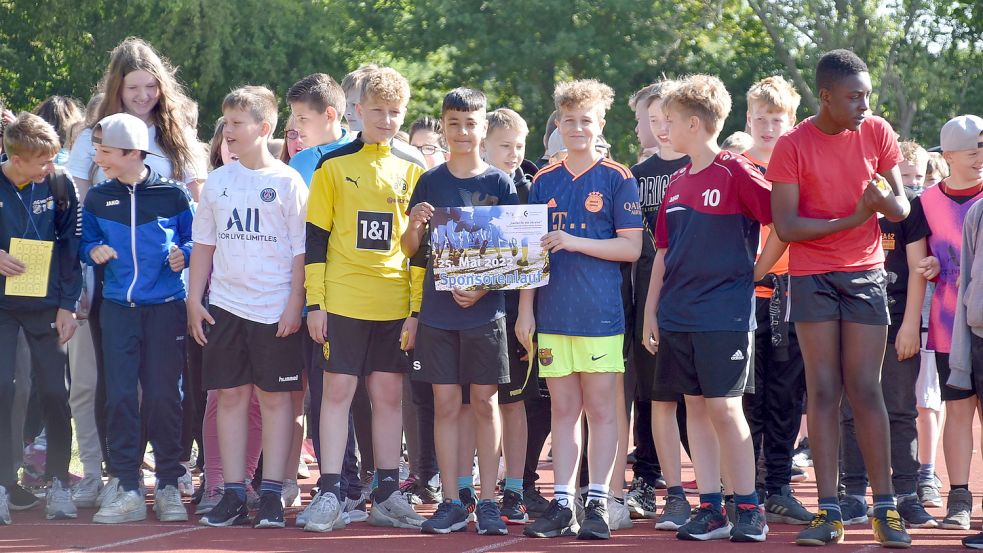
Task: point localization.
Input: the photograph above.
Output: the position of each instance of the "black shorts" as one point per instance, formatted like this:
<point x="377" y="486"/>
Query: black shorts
<point x="708" y="364"/>
<point x="948" y="392"/>
<point x="856" y="297"/>
<point x="241" y="352"/>
<point x="359" y="347"/>
<point x="648" y="387"/>
<point x="523" y="380"/>
<point x="472" y="356"/>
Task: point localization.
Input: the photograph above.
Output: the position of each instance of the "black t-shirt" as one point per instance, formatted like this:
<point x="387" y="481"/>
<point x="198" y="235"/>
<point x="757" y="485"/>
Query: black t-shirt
<point x="653" y="178"/>
<point x="895" y="237"/>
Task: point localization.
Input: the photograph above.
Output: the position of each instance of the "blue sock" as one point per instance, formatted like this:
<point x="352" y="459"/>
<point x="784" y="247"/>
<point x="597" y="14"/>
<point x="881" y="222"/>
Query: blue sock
<point x="238" y="488"/>
<point x="832" y="507"/>
<point x="514" y="484"/>
<point x="375" y="481"/>
<point x="465" y="482"/>
<point x="271" y="486"/>
<point x="884" y="502"/>
<point x="676" y="491"/>
<point x="716" y="500"/>
<point x="749" y="499"/>
<point x="926" y="472"/>
<point x="457" y="501"/>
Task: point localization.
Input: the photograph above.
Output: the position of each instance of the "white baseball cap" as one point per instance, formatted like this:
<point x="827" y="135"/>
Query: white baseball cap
<point x="962" y="133"/>
<point x="123" y="131"/>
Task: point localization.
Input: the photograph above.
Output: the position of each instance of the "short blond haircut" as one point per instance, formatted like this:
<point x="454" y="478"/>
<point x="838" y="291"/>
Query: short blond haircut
<point x="385" y="85"/>
<point x="30" y="135"/>
<point x="258" y="101"/>
<point x="775" y="94"/>
<point x="353" y="80"/>
<point x="738" y="142"/>
<point x="702" y="96"/>
<point x="912" y="152"/>
<point x="505" y="118"/>
<point x="659" y="90"/>
<point x="585" y="93"/>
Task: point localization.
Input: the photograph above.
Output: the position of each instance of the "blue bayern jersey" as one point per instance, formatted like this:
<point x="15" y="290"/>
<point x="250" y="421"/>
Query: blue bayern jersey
<point x="141" y="222"/>
<point x="583" y="297"/>
<point x="307" y="160"/>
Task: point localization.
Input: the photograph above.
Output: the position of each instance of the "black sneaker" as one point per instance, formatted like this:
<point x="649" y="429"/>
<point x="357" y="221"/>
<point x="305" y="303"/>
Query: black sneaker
<point x="707" y="523"/>
<point x="821" y="531"/>
<point x="536" y="504"/>
<point x="854" y="510"/>
<point x="914" y="513"/>
<point x="595" y="525"/>
<point x="889" y="529"/>
<point x="784" y="508"/>
<point x="513" y="509"/>
<point x="270" y="513"/>
<point x="556" y="521"/>
<point x="20" y="499"/>
<point x="751" y="524"/>
<point x="449" y="517"/>
<point x="489" y="519"/>
<point x="230" y="511"/>
<point x="974" y="542"/>
<point x="470" y="502"/>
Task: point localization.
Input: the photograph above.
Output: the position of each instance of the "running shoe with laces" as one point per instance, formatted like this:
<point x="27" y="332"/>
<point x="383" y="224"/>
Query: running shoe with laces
<point x="822" y="530"/>
<point x="536" y="504"/>
<point x="394" y="512"/>
<point x="489" y="519"/>
<point x="108" y="492"/>
<point x="974" y="542"/>
<point x="959" y="510"/>
<point x="209" y="500"/>
<point x="127" y="506"/>
<point x="230" y="511"/>
<point x="889" y="529"/>
<point x="449" y="517"/>
<point x="929" y="493"/>
<point x="914" y="513"/>
<point x="4" y="507"/>
<point x="618" y="516"/>
<point x="470" y="502"/>
<point x="784" y="508"/>
<point x="708" y="523"/>
<point x="168" y="506"/>
<point x="87" y="491"/>
<point x="853" y="510"/>
<point x="640" y="499"/>
<point x="751" y="525"/>
<point x="596" y="524"/>
<point x="21" y="499"/>
<point x="513" y="508"/>
<point x="323" y="514"/>
<point x="556" y="521"/>
<point x="675" y="513"/>
<point x="270" y="514"/>
<point x="58" y="502"/>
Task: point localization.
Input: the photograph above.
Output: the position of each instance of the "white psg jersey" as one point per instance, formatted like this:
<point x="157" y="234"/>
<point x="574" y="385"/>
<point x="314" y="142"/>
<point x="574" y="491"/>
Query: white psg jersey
<point x="256" y="221"/>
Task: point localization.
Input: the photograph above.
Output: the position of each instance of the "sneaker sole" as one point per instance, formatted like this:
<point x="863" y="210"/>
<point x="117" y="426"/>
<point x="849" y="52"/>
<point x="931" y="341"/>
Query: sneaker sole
<point x="750" y="538"/>
<point x="492" y="531"/>
<point x="131" y="517"/>
<point x="385" y="521"/>
<point x="515" y="521"/>
<point x="270" y="524"/>
<point x="719" y="534"/>
<point x="16" y="508"/>
<point x="856" y="520"/>
<point x="895" y="544"/>
<point x="637" y="515"/>
<point x="817" y="542"/>
<point x="936" y="504"/>
<point x="324" y="528"/>
<point x="85" y="503"/>
<point x="669" y="525"/>
<point x="456" y="527"/>
<point x="61" y="516"/>
<point x="591" y="535"/>
<point x="785" y="519"/>
<point x="359" y="516"/>
<point x="175" y="517"/>
<point x="237" y="521"/>
<point x="953" y="526"/>
<point x="931" y="523"/>
<point x="563" y="532"/>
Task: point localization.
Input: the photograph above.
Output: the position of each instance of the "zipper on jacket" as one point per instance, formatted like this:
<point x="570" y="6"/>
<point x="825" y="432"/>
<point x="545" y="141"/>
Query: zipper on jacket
<point x="133" y="242"/>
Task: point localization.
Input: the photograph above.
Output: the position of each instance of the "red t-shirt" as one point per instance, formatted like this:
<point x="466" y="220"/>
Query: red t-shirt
<point x="832" y="172"/>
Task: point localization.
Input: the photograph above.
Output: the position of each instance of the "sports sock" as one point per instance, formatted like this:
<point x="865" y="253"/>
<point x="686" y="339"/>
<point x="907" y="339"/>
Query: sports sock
<point x="676" y="491"/>
<point x="749" y="499"/>
<point x="926" y="472"/>
<point x="884" y="502"/>
<point x="331" y="483"/>
<point x="832" y="507"/>
<point x="598" y="492"/>
<point x="514" y="484"/>
<point x="238" y="488"/>
<point x="271" y="486"/>
<point x="388" y="483"/>
<point x="563" y="495"/>
<point x="959" y="487"/>
<point x="716" y="500"/>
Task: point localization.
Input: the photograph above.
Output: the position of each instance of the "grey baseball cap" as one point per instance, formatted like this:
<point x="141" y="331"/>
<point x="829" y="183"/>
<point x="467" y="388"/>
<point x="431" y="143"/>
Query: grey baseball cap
<point x="962" y="133"/>
<point x="123" y="131"/>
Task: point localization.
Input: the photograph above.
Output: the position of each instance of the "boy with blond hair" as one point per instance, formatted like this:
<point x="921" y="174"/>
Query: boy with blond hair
<point x="595" y="224"/>
<point x="359" y="298"/>
<point x="38" y="201"/>
<point x="699" y="314"/>
<point x="251" y="209"/>
<point x="913" y="166"/>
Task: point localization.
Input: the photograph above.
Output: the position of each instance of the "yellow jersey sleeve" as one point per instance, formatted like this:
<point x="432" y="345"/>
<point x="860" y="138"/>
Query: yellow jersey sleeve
<point x="320" y="219"/>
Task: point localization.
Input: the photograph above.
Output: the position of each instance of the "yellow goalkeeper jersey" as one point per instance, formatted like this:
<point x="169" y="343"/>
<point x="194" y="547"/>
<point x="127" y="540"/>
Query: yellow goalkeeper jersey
<point x="356" y="214"/>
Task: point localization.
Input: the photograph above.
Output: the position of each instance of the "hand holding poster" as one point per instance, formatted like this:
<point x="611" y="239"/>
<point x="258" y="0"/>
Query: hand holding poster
<point x="489" y="247"/>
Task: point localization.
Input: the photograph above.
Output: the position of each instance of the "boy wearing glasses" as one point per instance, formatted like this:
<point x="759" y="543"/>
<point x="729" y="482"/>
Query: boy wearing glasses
<point x="426" y="136"/>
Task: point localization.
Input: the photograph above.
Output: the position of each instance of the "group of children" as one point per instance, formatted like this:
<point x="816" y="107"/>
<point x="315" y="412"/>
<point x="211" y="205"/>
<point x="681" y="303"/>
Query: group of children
<point x="707" y="290"/>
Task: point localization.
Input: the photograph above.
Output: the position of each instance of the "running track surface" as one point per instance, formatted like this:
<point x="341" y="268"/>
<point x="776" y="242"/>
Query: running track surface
<point x="32" y="533"/>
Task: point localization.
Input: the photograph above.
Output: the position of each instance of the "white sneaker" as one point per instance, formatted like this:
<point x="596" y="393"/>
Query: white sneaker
<point x="324" y="514"/>
<point x="291" y="493"/>
<point x="618" y="515"/>
<point x="395" y="512"/>
<point x="168" y="506"/>
<point x="4" y="507"/>
<point x="208" y="501"/>
<point x="303" y="471"/>
<point x="127" y="506"/>
<point x="86" y="493"/>
<point x="58" y="503"/>
<point x="108" y="492"/>
<point x="185" y="483"/>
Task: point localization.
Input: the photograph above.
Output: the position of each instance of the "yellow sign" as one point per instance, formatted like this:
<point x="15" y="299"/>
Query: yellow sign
<point x="36" y="256"/>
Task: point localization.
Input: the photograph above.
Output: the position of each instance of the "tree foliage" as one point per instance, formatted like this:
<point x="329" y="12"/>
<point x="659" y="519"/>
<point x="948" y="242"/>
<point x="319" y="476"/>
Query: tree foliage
<point x="926" y="56"/>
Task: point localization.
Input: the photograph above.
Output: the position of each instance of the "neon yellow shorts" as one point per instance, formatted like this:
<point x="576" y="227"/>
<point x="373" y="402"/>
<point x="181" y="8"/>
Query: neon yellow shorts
<point x="561" y="355"/>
